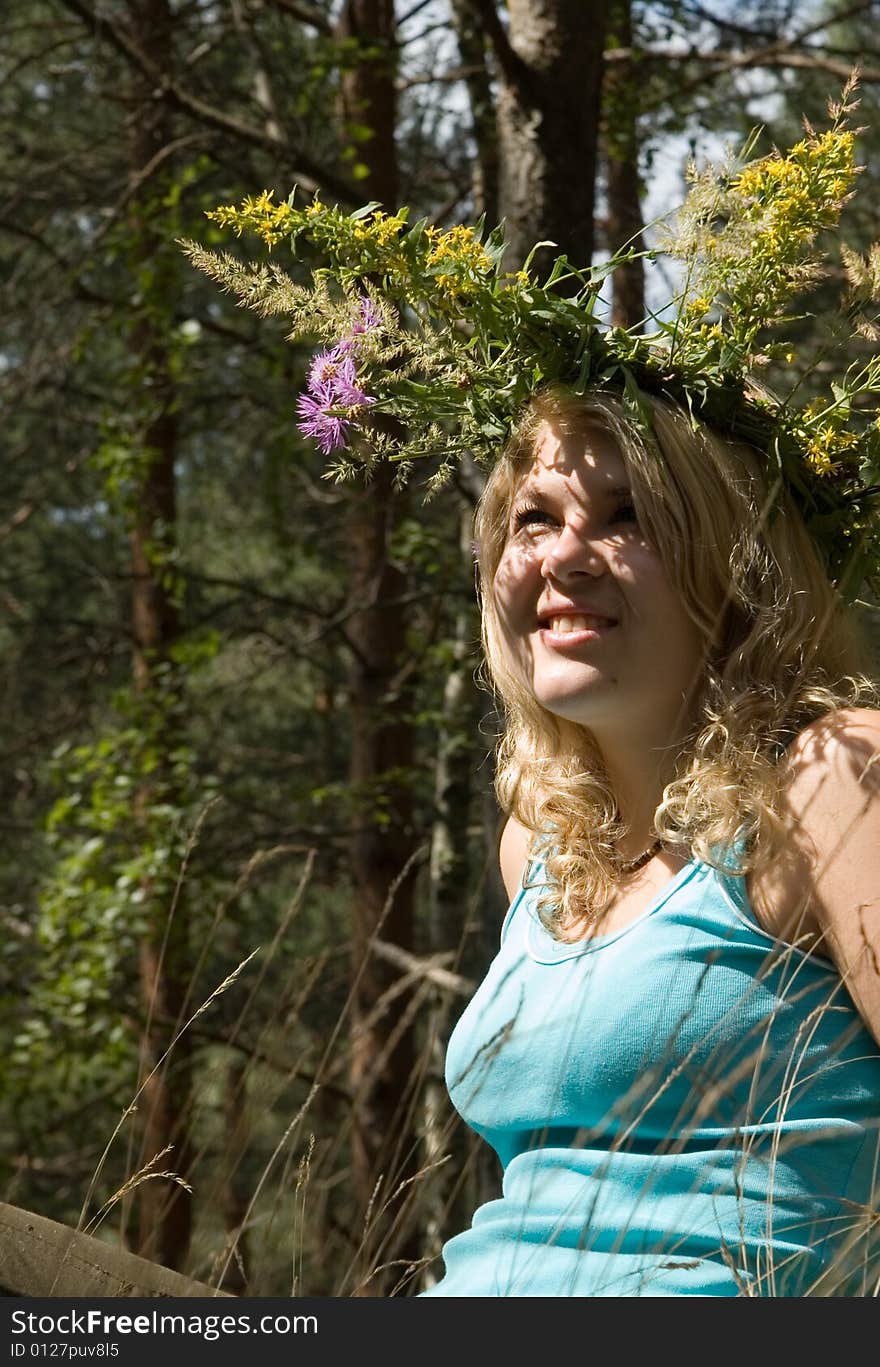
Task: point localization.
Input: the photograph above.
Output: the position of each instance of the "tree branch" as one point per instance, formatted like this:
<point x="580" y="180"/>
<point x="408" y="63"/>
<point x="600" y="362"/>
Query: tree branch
<point x="412" y="12"/>
<point x="457" y="73"/>
<point x="783" y="53"/>
<point x="512" y="66"/>
<point x="309" y="175"/>
<point x="255" y="1054"/>
<point x="306" y="14"/>
<point x="27" y="510"/>
<point x="31" y="235"/>
<point x="727" y="25"/>
<point x="717" y="64"/>
<point x="432" y="969"/>
<point x="247" y="588"/>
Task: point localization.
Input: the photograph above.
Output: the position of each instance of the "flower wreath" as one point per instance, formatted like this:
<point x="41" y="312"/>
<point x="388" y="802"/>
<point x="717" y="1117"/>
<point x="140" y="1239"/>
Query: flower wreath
<point x="431" y="346"/>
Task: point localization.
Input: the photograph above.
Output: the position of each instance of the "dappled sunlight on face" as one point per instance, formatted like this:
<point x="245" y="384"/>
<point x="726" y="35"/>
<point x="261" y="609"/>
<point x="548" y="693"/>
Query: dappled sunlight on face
<point x="589" y="621"/>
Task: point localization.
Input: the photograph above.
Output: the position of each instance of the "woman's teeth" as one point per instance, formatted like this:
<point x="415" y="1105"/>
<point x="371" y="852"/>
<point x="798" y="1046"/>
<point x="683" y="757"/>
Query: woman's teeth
<point x="578" y="622"/>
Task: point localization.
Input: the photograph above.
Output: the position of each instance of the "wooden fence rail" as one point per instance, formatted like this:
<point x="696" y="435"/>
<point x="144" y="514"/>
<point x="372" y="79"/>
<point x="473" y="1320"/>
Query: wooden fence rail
<point x="39" y="1257"/>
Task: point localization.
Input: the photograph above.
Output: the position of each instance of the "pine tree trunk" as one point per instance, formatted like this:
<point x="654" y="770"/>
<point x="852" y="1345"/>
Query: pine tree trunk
<point x="622" y="161"/>
<point x="382" y="755"/>
<point x="449" y="885"/>
<point x="164" y="1209"/>
<point x="384" y="1148"/>
<point x="472" y="50"/>
<point x="548" y="120"/>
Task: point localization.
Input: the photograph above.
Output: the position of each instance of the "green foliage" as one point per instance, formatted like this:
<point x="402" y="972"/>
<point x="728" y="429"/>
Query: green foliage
<point x="120" y="834"/>
<point x="450" y="346"/>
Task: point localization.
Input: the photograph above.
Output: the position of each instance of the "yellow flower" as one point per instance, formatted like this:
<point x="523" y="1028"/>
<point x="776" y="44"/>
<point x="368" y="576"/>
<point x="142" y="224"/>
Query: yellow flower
<point x="257" y="214"/>
<point x="459" y="247"/>
<point x="821" y="463"/>
<point x="826" y="447"/>
<point x="749" y="181"/>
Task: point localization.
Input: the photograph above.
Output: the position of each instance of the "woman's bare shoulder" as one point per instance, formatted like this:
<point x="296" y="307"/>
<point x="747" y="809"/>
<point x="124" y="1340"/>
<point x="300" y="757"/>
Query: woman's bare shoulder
<point x="513" y="852"/>
<point x="828" y="872"/>
<point x="830" y="783"/>
<point x="836" y="742"/>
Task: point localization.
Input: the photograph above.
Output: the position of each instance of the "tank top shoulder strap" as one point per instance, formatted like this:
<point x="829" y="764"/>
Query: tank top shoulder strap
<point x="733" y="885"/>
<point x="532" y="877"/>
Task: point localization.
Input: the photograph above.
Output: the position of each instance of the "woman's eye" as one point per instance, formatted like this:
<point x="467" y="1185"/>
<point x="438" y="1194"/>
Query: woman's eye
<point x="530" y="517"/>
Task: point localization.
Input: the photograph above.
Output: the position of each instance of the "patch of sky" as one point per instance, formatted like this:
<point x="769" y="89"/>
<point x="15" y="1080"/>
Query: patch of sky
<point x="88" y="517"/>
<point x="665" y="162"/>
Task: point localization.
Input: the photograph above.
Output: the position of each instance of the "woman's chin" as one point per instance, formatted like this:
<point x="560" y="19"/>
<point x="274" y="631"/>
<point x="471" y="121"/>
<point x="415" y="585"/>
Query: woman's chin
<point x="590" y="703"/>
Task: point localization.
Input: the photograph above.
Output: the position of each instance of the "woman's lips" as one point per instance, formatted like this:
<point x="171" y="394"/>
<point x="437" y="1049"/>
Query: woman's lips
<point x="574" y="628"/>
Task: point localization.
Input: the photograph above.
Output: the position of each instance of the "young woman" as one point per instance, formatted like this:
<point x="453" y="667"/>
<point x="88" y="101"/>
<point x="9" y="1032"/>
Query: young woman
<point x="675" y="1052"/>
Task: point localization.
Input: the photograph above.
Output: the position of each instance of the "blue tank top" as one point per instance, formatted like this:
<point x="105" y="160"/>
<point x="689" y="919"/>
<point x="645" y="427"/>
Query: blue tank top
<point x="684" y="1106"/>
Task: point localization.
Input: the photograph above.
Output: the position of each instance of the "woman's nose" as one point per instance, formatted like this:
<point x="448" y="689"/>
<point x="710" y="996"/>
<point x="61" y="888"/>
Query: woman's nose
<point x="572" y="553"/>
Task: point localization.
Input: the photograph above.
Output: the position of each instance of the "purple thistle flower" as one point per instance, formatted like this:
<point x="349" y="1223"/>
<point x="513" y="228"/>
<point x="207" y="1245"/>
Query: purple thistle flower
<point x="328" y="429"/>
<point x="332" y="386"/>
<point x="347" y="390"/>
<point x="326" y="365"/>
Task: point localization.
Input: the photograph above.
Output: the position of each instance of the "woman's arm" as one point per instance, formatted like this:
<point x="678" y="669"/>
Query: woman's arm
<point x="829" y="872"/>
<point x="512" y="853"/>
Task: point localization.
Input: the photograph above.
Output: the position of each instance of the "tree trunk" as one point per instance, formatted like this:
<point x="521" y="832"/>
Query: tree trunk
<point x="163" y="1208"/>
<point x="369" y="95"/>
<point x="548" y="119"/>
<point x="472" y="50"/>
<point x="384" y="1148"/>
<point x="449" y="883"/>
<point x="232" y="1197"/>
<point x="382" y="755"/>
<point x="621" y="107"/>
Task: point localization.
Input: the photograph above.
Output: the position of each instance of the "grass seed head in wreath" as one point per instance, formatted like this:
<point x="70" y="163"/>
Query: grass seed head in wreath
<point x="429" y="345"/>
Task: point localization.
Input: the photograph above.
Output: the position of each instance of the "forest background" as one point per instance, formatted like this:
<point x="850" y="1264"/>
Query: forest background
<point x="248" y="870"/>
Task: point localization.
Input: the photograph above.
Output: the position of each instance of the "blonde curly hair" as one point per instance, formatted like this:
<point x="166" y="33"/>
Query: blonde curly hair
<point x="780" y="650"/>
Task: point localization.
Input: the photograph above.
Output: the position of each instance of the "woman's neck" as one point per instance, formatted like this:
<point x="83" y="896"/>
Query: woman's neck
<point x="639" y="768"/>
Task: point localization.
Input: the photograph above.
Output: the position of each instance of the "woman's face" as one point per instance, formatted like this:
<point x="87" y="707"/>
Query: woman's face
<point x="588" y="618"/>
